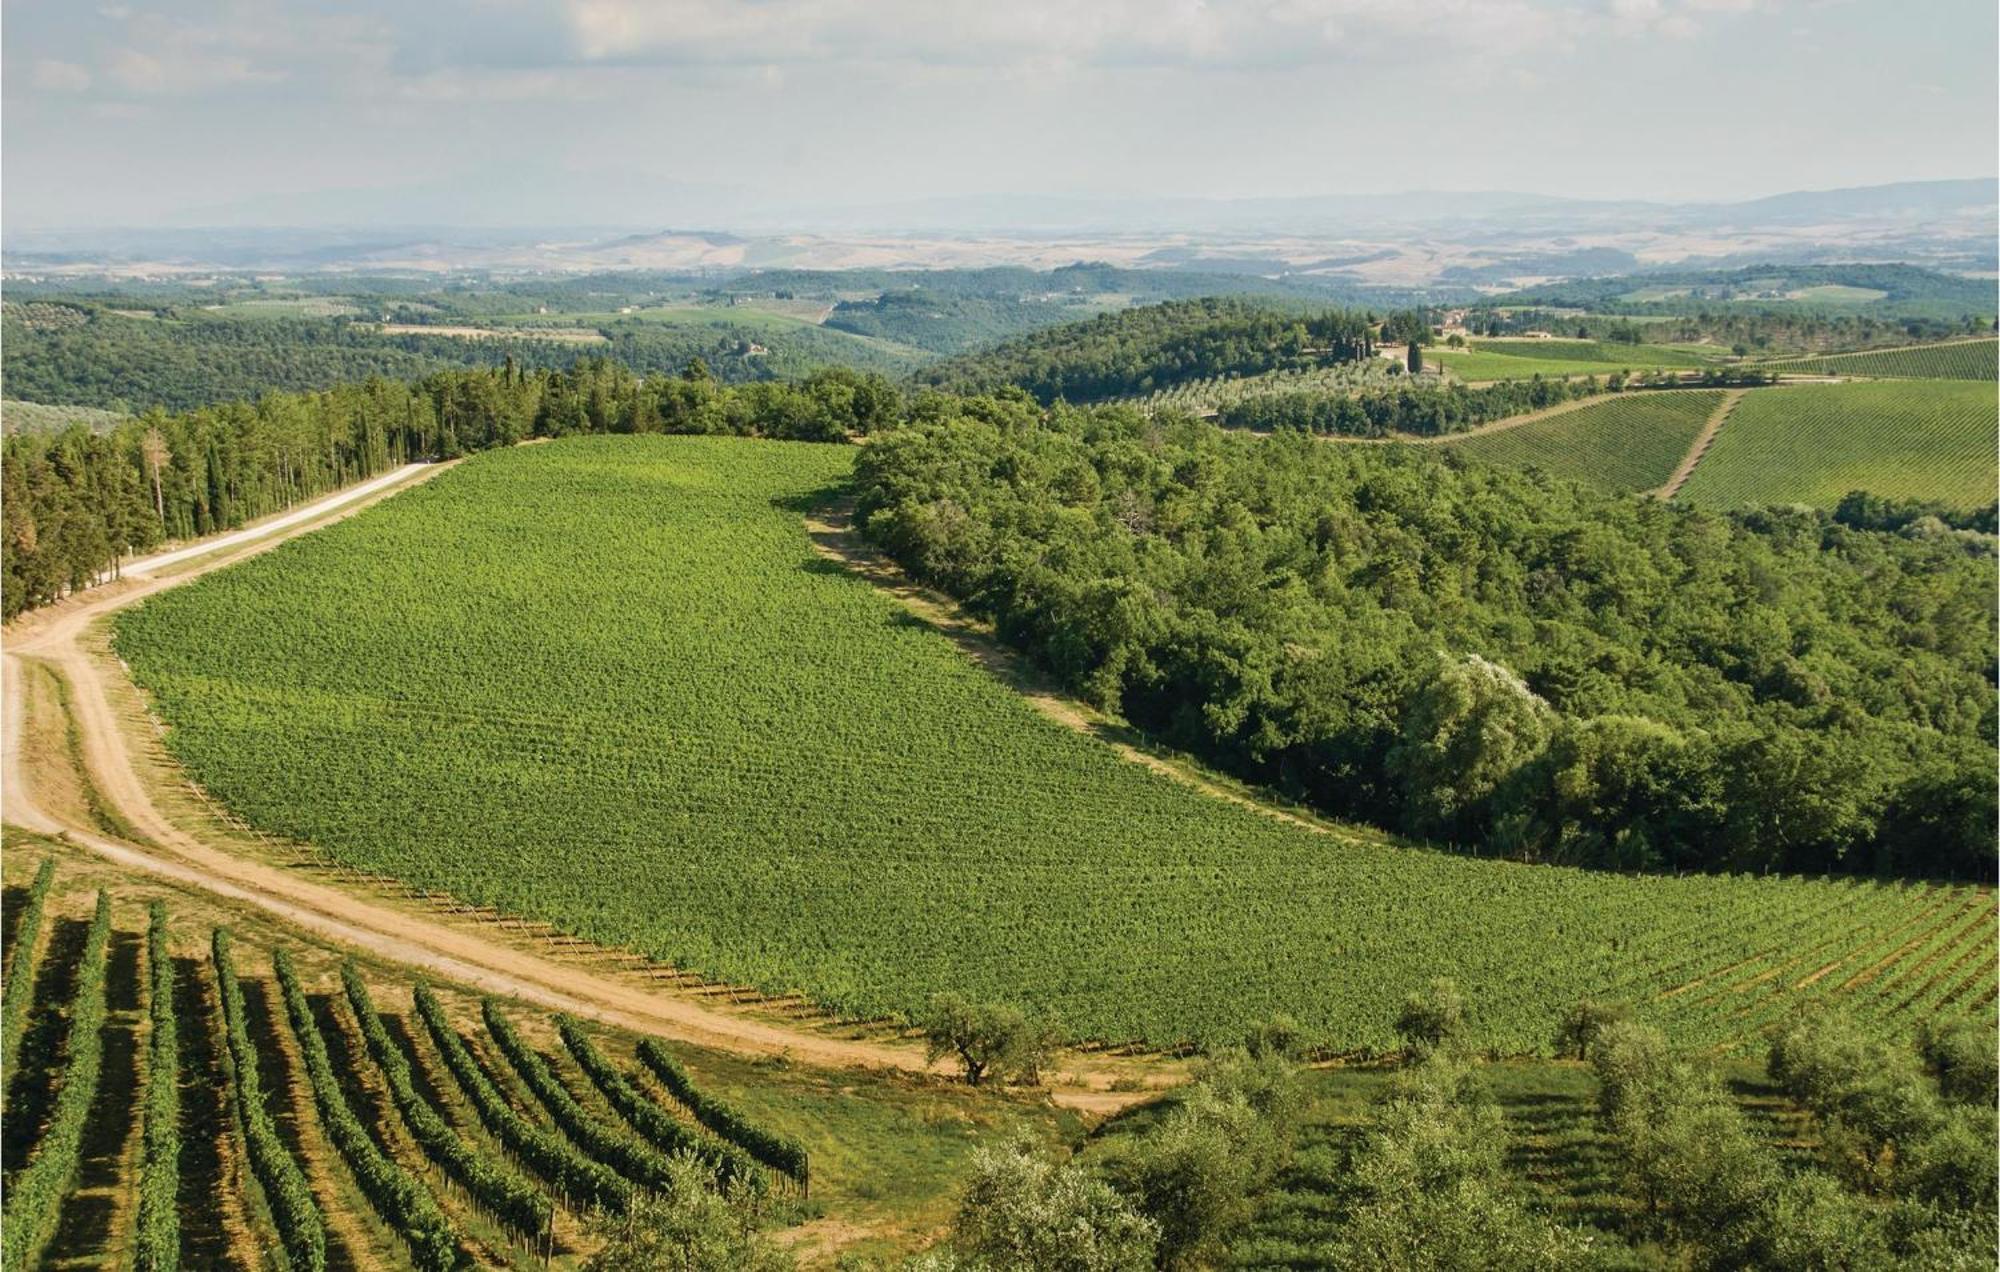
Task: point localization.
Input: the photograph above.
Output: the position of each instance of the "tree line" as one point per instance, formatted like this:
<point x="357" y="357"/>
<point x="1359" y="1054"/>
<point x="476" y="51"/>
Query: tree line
<point x="73" y="504"/>
<point x="1477" y="656"/>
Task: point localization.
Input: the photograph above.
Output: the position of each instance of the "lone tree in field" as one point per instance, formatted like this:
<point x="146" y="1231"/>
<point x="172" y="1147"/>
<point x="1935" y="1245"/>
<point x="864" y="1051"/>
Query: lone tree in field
<point x="1415" y="357"/>
<point x="1432" y="1019"/>
<point x="989" y="1039"/>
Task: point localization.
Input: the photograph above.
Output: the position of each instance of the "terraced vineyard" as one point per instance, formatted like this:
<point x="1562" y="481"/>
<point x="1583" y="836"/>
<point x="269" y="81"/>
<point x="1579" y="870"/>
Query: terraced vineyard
<point x="1631" y="442"/>
<point x="1523" y="359"/>
<point x="608" y="683"/>
<point x="272" y="1107"/>
<point x="1815" y="443"/>
<point x="1961" y="360"/>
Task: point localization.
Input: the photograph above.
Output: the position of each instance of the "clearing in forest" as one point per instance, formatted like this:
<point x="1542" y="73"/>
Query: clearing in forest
<point x="1631" y="442"/>
<point x="1815" y="443"/>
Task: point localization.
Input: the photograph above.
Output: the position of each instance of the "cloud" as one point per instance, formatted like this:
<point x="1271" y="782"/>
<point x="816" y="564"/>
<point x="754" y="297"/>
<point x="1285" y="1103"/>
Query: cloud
<point x="53" y="75"/>
<point x="1180" y="34"/>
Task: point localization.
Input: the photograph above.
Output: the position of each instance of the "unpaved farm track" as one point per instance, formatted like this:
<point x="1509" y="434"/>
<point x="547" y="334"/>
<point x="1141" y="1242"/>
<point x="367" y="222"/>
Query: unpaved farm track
<point x="56" y="637"/>
<point x="1702" y="441"/>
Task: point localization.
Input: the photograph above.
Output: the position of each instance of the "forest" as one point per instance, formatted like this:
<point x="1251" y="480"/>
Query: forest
<point x="89" y="354"/>
<point x="1471" y="655"/>
<point x="1136" y="351"/>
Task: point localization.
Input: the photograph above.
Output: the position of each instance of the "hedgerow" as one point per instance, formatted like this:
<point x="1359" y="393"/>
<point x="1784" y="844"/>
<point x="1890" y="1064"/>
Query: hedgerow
<point x="33" y="1197"/>
<point x="157" y="1247"/>
<point x="294" y="1209"/>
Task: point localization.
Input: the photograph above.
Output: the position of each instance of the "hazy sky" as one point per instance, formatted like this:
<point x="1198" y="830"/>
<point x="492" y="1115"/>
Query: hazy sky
<point x="507" y="112"/>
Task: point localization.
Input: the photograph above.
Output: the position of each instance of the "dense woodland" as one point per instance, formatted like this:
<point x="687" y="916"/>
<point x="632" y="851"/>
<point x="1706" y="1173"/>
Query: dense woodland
<point x="75" y="502"/>
<point x="1137" y="351"/>
<point x="1428" y="409"/>
<point x="88" y="355"/>
<point x="1479" y="656"/>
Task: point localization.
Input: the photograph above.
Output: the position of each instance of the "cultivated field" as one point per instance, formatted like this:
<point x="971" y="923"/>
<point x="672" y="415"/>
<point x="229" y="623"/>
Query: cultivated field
<point x="607" y="682"/>
<point x="1815" y="443"/>
<point x="1963" y="360"/>
<point x="1524" y="359"/>
<point x="1631" y="442"/>
<point x="192" y="1087"/>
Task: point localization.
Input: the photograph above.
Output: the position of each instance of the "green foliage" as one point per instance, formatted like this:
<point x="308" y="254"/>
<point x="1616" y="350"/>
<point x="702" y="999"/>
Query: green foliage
<point x="1631" y="442"/>
<point x="1428" y="1185"/>
<point x="1582" y="1025"/>
<point x="1964" y="1057"/>
<point x="1432" y="1020"/>
<point x="1377" y="632"/>
<point x="850" y="809"/>
<point x="579" y="1178"/>
<point x="157" y="1245"/>
<point x="34" y="1195"/>
<point x="1815" y="443"/>
<point x="687" y="1226"/>
<point x="495" y="1187"/>
<point x="17" y="986"/>
<point x="187" y="358"/>
<point x="404" y="1203"/>
<point x="1223" y="1141"/>
<point x="294" y="1209"/>
<point x="987" y="1039"/>
<point x="779" y="1152"/>
<point x="1137" y="351"/>
<point x="1021" y="1210"/>
<point x="727" y="1163"/>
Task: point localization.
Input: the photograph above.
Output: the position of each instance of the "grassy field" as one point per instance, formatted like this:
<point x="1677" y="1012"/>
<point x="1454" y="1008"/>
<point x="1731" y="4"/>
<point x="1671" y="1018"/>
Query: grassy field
<point x="886" y="1152"/>
<point x="1632" y="442"/>
<point x="1964" y="360"/>
<point x="1522" y="359"/>
<point x="607" y="682"/>
<point x="1815" y="443"/>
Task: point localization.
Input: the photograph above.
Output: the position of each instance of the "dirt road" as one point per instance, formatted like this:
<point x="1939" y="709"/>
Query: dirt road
<point x="55" y="636"/>
<point x="1702" y="441"/>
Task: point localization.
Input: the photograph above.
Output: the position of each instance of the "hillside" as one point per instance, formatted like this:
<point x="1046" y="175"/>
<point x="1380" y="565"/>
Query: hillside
<point x="1138" y="351"/>
<point x="1813" y="444"/>
<point x="1628" y="443"/>
<point x="847" y="806"/>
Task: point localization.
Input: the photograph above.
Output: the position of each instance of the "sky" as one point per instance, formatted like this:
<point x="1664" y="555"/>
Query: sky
<point x="629" y="112"/>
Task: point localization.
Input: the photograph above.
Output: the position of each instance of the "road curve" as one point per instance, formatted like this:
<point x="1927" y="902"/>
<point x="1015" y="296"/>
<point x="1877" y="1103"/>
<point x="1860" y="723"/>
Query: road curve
<point x="53" y="636"/>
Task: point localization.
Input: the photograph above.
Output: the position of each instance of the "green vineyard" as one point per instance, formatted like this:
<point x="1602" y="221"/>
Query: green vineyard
<point x="1631" y="442"/>
<point x="1522" y="359"/>
<point x="1962" y="360"/>
<point x="1815" y="443"/>
<point x="462" y="1148"/>
<point x="608" y="683"/>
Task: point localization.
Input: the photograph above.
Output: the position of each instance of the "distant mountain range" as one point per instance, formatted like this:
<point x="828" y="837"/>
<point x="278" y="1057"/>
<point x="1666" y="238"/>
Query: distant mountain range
<point x="1489" y="238"/>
